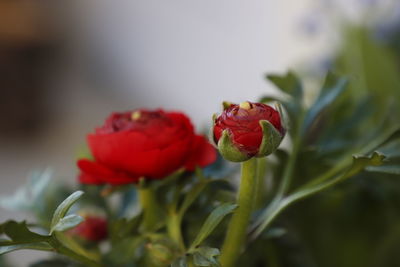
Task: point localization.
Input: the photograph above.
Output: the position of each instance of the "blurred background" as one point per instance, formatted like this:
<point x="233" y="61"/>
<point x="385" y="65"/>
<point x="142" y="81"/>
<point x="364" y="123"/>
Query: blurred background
<point x="65" y="65"/>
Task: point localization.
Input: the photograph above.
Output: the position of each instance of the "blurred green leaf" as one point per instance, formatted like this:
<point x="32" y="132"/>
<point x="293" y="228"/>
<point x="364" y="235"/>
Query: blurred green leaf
<point x="212" y="221"/>
<point x="206" y="256"/>
<point x="180" y="262"/>
<point x="288" y="84"/>
<point x="332" y="88"/>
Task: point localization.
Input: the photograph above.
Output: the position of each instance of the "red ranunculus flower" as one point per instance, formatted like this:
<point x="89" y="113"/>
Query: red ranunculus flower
<point x="143" y="143"/>
<point x="243" y="124"/>
<point x="93" y="229"/>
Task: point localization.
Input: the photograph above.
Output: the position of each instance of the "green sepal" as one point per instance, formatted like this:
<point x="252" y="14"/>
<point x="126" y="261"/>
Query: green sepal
<point x="226" y="105"/>
<point x="211" y="132"/>
<point x="229" y="150"/>
<point x="284" y="121"/>
<point x="271" y="139"/>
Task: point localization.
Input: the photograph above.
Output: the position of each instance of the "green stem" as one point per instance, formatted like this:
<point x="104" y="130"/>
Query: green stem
<point x="174" y="229"/>
<point x="237" y="229"/>
<point x="151" y="209"/>
<point x="61" y="249"/>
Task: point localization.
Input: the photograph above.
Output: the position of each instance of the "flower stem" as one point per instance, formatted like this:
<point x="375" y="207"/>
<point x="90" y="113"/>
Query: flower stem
<point x="174" y="229"/>
<point x="237" y="229"/>
<point x="151" y="209"/>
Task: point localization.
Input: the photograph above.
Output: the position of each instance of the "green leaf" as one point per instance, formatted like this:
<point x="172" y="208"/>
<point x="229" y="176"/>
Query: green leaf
<point x="67" y="223"/>
<point x="19" y="232"/>
<point x="35" y="246"/>
<point x="212" y="221"/>
<point x="288" y="84"/>
<point x="361" y="162"/>
<point x="388" y="169"/>
<point x="180" y="262"/>
<point x="205" y="256"/>
<point x="63" y="208"/>
<point x="291" y="85"/>
<point x="331" y="90"/>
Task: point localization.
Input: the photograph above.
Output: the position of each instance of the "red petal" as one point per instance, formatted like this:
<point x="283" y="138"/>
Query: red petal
<point x="172" y="158"/>
<point x="202" y="154"/>
<point x="250" y="141"/>
<point x="95" y="173"/>
<point x="114" y="150"/>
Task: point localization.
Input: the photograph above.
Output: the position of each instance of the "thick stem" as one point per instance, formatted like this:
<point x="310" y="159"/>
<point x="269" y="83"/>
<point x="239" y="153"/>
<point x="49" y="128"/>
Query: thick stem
<point x="151" y="209"/>
<point x="174" y="229"/>
<point x="237" y="229"/>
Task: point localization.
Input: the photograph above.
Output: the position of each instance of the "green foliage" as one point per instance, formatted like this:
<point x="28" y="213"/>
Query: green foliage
<point x="205" y="256"/>
<point x="61" y="211"/>
<point x="212" y="221"/>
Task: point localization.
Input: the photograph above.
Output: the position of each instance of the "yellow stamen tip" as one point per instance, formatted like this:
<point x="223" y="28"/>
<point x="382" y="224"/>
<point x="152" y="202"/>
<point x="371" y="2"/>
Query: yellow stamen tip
<point x="245" y="105"/>
<point x="135" y="115"/>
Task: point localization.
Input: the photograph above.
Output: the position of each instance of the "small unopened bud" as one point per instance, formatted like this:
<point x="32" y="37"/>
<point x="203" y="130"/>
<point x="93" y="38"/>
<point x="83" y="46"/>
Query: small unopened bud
<point x="247" y="130"/>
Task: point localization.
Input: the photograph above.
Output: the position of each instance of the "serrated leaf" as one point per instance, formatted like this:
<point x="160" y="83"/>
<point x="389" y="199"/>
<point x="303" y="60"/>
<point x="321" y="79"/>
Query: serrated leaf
<point x="19" y="232"/>
<point x="35" y="246"/>
<point x="332" y="89"/>
<point x="361" y="162"/>
<point x="180" y="262"/>
<point x="67" y="223"/>
<point x="63" y="208"/>
<point x="212" y="221"/>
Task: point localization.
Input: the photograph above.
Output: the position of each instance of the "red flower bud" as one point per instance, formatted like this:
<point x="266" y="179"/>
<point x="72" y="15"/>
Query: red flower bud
<point x="142" y="143"/>
<point x="247" y="130"/>
<point x="92" y="229"/>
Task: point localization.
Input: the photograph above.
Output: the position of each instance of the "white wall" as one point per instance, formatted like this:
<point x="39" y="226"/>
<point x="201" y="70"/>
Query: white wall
<point x="191" y="55"/>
